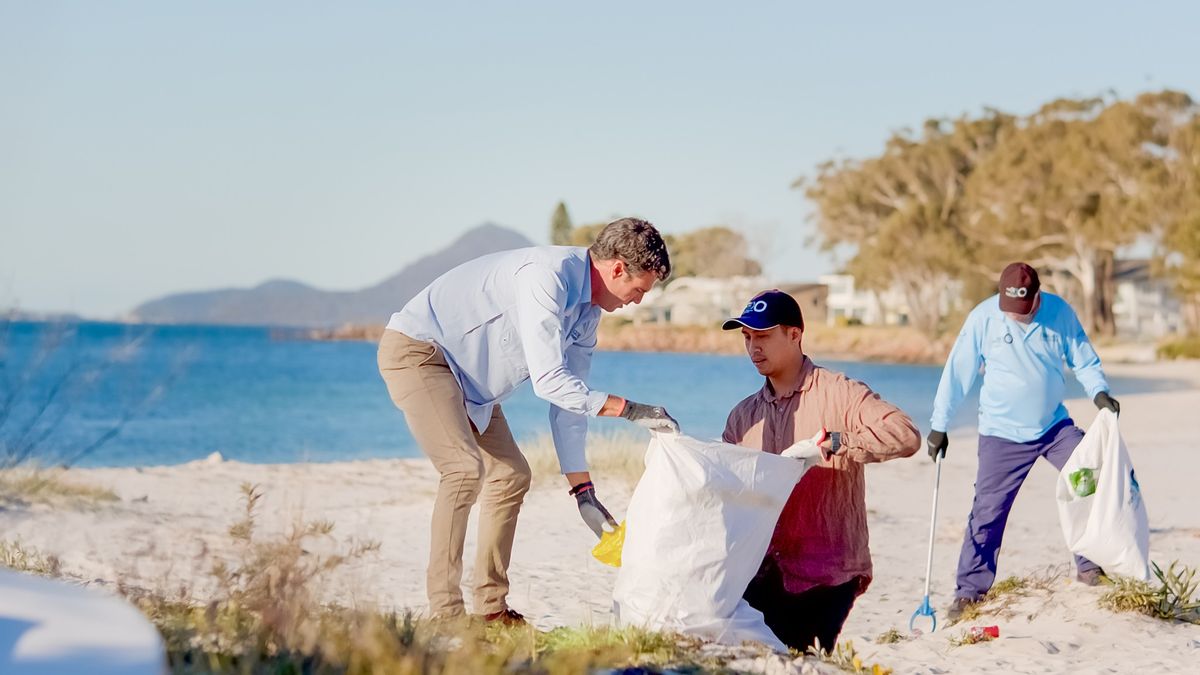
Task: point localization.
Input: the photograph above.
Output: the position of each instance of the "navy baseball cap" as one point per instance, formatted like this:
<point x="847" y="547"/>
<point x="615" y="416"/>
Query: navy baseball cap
<point x="767" y="310"/>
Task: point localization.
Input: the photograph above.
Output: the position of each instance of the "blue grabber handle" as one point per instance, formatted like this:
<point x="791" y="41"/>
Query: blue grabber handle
<point x="924" y="610"/>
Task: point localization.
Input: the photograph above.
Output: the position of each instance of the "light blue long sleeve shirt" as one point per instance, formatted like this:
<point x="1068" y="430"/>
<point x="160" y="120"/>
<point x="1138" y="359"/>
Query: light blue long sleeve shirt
<point x="512" y="316"/>
<point x="1023" y="379"/>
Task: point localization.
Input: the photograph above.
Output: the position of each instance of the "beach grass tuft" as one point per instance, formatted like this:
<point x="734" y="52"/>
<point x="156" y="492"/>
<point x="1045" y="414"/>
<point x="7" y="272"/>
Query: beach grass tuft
<point x="890" y="637"/>
<point x="845" y="657"/>
<point x="1007" y="592"/>
<point x="1173" y="598"/>
<point x="28" y="485"/>
<point x="615" y="456"/>
<point x="17" y="557"/>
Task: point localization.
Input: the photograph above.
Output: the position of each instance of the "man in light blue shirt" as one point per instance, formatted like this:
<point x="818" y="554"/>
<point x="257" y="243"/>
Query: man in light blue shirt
<point x="1020" y="338"/>
<point x="466" y="342"/>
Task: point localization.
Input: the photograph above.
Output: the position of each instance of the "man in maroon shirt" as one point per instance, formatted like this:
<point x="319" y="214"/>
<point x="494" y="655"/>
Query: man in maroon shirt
<point x="818" y="562"/>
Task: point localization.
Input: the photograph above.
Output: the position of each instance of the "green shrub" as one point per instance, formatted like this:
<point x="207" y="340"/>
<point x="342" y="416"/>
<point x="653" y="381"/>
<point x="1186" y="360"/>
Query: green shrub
<point x="1180" y="348"/>
<point x="1173" y="598"/>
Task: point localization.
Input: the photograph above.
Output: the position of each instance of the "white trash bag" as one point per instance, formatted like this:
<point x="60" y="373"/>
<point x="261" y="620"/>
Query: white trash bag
<point x="697" y="529"/>
<point x="1100" y="503"/>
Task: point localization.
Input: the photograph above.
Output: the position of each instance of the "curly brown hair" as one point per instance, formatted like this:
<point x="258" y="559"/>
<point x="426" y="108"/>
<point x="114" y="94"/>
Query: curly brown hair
<point x="635" y="242"/>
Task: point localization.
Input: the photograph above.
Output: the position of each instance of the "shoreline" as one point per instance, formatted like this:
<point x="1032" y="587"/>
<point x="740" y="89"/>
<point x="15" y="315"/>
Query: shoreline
<point x="865" y="344"/>
<point x="884" y="344"/>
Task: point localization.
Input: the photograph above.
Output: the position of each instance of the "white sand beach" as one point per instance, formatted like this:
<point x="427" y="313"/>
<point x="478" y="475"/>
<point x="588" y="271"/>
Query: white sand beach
<point x="170" y="523"/>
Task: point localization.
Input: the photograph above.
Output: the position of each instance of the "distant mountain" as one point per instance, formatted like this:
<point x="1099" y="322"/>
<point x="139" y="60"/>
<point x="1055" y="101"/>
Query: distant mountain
<point x="291" y="303"/>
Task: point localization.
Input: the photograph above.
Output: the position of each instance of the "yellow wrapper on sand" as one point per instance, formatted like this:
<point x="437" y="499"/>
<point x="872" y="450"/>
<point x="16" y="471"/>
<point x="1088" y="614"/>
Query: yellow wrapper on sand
<point x="608" y="551"/>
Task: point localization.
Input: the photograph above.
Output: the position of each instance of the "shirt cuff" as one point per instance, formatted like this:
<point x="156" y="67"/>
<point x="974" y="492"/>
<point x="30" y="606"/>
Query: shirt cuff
<point x="595" y="401"/>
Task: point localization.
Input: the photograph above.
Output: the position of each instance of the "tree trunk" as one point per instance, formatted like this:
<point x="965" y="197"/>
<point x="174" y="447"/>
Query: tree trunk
<point x="923" y="296"/>
<point x="1190" y="307"/>
<point x="1106" y="291"/>
<point x="1087" y="276"/>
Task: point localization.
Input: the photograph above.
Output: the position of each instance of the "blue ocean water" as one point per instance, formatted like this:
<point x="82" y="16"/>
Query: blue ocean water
<point x="174" y="394"/>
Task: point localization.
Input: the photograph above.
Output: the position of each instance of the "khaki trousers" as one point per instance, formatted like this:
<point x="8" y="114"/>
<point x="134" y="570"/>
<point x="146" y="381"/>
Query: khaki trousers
<point x="487" y="468"/>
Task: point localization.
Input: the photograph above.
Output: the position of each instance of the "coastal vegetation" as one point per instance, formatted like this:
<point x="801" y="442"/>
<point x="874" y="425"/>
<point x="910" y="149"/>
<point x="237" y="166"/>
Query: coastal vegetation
<point x="28" y="484"/>
<point x="1065" y="188"/>
<point x="895" y="344"/>
<point x="265" y="616"/>
<point x="1172" y="597"/>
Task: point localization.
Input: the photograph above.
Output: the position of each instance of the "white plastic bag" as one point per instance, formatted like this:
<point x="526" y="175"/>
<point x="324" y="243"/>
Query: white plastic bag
<point x="697" y="528"/>
<point x="1100" y="503"/>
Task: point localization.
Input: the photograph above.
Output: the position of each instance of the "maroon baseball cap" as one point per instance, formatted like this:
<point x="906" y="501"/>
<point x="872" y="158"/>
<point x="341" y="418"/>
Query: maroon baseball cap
<point x="1019" y="286"/>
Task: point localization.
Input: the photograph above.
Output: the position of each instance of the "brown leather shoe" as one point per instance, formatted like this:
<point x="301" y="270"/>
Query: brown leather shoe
<point x="508" y="617"/>
<point x="956" y="609"/>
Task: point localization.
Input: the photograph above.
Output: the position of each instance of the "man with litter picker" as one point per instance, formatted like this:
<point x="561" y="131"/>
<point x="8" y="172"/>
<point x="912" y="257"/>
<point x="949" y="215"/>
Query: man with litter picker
<point x="1020" y="338"/>
<point x="818" y="561"/>
<point x="465" y="343"/>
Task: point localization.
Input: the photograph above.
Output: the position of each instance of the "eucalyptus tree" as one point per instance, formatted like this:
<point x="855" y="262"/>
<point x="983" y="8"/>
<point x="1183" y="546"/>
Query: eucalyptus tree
<point x="1066" y="188"/>
<point x="903" y="214"/>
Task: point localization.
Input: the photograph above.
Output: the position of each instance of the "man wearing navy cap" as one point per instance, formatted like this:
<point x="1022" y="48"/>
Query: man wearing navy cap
<point x="818" y="561"/>
<point x="1022" y="335"/>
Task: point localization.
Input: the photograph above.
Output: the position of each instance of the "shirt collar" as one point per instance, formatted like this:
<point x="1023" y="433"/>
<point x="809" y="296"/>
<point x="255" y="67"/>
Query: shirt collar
<point x="586" y="297"/>
<point x="802" y="385"/>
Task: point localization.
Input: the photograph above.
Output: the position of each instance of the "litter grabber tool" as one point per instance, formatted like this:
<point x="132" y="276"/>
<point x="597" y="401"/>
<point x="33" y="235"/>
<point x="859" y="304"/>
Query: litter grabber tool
<point x="926" y="609"/>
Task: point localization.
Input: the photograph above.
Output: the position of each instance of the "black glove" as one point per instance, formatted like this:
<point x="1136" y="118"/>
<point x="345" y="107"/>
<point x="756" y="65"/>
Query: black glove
<point x="653" y="417"/>
<point x="1103" y="400"/>
<point x="590" y="508"/>
<point x="938" y="442"/>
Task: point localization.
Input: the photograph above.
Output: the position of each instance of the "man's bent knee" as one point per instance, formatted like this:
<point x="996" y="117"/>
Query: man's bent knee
<point x="466" y="481"/>
<point x="513" y="480"/>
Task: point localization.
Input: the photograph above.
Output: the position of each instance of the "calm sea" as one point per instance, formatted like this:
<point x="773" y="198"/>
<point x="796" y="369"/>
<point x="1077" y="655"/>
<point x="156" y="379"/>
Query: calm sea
<point x="173" y="394"/>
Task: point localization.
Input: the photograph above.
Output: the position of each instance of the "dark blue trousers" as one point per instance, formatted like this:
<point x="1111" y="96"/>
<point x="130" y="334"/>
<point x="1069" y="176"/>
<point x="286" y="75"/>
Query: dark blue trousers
<point x="1003" y="465"/>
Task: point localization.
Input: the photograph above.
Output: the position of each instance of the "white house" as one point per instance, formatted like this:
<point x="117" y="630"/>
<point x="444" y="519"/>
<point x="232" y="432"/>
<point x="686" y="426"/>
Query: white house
<point x="695" y="301"/>
<point x="849" y="303"/>
<point x="846" y="302"/>
<point x="1144" y="306"/>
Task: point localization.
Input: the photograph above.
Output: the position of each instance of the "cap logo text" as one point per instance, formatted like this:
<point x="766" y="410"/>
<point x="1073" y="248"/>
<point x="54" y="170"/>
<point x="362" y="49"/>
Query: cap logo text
<point x="1016" y="291"/>
<point x="756" y="306"/>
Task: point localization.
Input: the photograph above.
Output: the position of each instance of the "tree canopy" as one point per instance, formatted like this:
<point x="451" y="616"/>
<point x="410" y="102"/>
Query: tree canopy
<point x="560" y="226"/>
<point x="1064" y="189"/>
<point x="716" y="251"/>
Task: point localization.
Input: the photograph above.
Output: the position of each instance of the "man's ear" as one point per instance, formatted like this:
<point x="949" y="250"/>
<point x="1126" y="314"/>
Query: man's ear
<point x="618" y="269"/>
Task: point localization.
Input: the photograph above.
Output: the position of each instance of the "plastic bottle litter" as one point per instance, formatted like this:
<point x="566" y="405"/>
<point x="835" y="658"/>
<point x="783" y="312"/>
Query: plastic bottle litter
<point x="1083" y="482"/>
<point x="608" y="551"/>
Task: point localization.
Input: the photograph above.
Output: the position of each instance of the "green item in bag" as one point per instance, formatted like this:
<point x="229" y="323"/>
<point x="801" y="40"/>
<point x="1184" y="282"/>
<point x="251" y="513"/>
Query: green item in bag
<point x="1083" y="482"/>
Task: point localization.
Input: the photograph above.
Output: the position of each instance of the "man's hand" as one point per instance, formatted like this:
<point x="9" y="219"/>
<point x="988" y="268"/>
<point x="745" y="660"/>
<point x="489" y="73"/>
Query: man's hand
<point x="1103" y="400"/>
<point x="938" y="442"/>
<point x="832" y="444"/>
<point x="590" y="508"/>
<point x="809" y="450"/>
<point x="652" y="417"/>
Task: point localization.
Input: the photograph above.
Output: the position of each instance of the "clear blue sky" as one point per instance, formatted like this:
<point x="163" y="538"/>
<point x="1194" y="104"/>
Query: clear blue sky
<point x="152" y="147"/>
